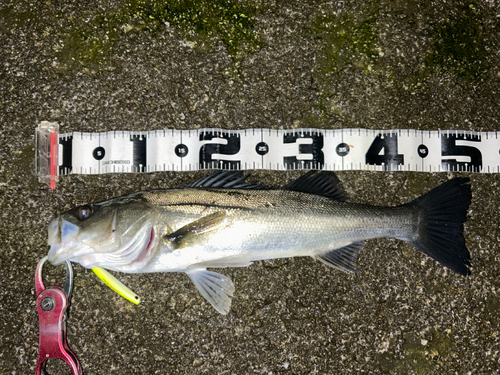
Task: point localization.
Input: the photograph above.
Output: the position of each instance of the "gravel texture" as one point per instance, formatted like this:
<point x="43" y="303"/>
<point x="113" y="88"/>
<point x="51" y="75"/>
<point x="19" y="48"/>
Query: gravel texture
<point x="137" y="65"/>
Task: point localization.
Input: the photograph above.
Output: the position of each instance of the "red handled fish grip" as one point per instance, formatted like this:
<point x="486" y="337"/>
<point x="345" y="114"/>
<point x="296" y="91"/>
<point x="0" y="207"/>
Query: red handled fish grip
<point x="52" y="304"/>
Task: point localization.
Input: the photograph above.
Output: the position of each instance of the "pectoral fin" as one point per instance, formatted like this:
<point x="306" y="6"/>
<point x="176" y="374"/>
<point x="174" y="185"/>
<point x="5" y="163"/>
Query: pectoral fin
<point x="216" y="288"/>
<point x="193" y="232"/>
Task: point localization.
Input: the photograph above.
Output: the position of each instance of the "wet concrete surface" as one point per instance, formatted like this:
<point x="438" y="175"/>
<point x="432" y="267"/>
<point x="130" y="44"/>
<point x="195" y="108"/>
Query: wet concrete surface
<point x="99" y="66"/>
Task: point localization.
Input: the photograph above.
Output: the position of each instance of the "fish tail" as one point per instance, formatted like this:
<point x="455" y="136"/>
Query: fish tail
<point x="443" y="212"/>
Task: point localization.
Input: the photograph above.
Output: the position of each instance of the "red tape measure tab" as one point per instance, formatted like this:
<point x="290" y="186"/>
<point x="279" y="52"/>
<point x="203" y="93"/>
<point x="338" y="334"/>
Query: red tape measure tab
<point x="46" y="153"/>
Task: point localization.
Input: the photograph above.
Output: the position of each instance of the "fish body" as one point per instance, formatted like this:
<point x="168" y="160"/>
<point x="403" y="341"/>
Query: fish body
<point x="224" y="221"/>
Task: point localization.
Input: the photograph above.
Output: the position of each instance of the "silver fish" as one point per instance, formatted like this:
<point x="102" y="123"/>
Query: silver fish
<point x="222" y="220"/>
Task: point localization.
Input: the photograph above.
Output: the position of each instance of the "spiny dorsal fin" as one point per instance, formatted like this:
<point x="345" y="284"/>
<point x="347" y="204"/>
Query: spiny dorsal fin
<point x="322" y="183"/>
<point x="225" y="180"/>
<point x="344" y="259"/>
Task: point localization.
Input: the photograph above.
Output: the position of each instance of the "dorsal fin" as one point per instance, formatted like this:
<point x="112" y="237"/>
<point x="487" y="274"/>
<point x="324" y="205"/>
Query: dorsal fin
<point x="322" y="183"/>
<point x="225" y="180"/>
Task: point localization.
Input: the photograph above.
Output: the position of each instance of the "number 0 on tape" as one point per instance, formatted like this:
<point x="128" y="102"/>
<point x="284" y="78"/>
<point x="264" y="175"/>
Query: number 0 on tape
<point x="326" y="149"/>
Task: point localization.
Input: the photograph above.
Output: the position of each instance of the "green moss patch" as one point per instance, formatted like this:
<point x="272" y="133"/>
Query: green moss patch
<point x="346" y="42"/>
<point x="91" y="40"/>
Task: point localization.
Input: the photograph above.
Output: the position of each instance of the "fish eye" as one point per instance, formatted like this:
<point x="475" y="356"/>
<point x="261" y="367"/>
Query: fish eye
<point x="84" y="212"/>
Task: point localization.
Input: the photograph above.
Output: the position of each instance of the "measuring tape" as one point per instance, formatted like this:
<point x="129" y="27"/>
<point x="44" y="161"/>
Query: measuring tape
<point x="326" y="149"/>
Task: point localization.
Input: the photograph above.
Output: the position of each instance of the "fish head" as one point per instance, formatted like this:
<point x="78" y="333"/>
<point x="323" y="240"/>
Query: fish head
<point x="110" y="234"/>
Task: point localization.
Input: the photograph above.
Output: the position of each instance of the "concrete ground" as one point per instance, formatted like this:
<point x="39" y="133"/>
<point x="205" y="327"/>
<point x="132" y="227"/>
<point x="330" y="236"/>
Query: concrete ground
<point x="137" y="65"/>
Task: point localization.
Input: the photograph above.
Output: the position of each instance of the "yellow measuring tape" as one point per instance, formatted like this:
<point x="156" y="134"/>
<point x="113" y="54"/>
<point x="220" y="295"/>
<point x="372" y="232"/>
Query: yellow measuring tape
<point x="116" y="285"/>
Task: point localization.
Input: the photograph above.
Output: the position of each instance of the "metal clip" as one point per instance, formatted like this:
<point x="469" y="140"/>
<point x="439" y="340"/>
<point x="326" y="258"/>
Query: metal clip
<point x="52" y="304"/>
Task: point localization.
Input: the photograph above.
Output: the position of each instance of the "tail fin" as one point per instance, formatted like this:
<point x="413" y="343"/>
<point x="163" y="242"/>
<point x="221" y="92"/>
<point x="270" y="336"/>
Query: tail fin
<point x="440" y="234"/>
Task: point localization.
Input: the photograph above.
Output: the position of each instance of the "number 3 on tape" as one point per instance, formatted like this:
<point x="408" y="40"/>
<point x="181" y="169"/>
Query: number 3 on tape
<point x="326" y="149"/>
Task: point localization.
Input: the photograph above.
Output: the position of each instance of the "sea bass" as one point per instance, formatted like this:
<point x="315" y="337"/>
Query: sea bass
<point x="222" y="220"/>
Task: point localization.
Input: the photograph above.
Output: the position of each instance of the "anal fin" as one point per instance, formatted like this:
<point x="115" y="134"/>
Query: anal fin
<point x="216" y="288"/>
<point x="344" y="259"/>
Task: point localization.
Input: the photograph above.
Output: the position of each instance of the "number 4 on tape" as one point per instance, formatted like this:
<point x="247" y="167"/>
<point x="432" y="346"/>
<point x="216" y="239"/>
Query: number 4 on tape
<point x="326" y="149"/>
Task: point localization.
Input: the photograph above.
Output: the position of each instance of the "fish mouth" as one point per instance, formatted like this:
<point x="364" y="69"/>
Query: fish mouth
<point x="60" y="251"/>
<point x="54" y="255"/>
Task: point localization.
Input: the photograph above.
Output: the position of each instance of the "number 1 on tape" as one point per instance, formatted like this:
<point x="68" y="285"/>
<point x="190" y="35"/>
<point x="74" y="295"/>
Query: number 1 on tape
<point x="325" y="149"/>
